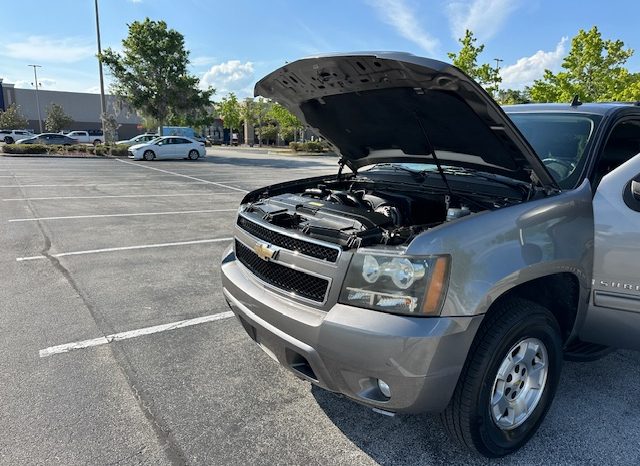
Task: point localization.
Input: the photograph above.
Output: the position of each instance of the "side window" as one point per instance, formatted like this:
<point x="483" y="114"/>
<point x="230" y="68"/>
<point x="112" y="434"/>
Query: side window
<point x="622" y="144"/>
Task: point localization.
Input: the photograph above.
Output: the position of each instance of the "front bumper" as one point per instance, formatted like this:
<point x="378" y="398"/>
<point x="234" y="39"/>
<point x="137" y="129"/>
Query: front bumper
<point x="347" y="349"/>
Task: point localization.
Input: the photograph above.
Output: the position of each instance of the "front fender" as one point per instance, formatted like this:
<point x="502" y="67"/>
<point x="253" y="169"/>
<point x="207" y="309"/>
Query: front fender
<point x="494" y="251"/>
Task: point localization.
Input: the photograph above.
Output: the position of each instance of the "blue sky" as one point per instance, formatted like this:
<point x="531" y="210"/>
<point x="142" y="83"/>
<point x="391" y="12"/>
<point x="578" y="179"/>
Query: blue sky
<point x="234" y="43"/>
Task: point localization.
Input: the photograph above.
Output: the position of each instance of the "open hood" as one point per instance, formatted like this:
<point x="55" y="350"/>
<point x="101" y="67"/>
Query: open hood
<point x="378" y="107"/>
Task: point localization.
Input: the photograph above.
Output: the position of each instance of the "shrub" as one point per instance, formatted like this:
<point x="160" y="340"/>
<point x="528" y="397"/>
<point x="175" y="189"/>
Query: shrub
<point x="116" y="150"/>
<point x="313" y="146"/>
<point x="295" y="146"/>
<point x="309" y="146"/>
<point x="24" y="149"/>
<point x="102" y="149"/>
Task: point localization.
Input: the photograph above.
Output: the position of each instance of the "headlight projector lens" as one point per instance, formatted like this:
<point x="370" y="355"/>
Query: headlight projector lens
<point x="370" y="269"/>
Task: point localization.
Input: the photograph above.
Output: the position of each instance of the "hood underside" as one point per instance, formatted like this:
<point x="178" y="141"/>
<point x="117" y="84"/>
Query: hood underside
<point x="396" y="107"/>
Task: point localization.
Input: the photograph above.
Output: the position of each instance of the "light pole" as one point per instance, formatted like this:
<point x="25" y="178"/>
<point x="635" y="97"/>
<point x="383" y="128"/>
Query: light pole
<point x="35" y="75"/>
<point x="102" y="101"/>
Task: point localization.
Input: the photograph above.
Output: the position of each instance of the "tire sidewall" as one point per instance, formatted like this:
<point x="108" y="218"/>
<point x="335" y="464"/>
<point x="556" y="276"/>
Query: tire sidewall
<point x="196" y="156"/>
<point x="144" y="155"/>
<point x="503" y="442"/>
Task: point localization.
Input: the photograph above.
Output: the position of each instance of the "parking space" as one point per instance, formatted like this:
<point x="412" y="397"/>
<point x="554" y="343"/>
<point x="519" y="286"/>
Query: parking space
<point x="120" y="261"/>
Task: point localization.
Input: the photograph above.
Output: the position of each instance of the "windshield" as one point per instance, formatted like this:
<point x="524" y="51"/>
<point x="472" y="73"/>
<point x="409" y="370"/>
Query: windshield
<point x="561" y="140"/>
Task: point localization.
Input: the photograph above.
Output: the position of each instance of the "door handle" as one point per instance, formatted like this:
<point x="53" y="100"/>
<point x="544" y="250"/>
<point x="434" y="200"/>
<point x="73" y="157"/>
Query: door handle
<point x="635" y="190"/>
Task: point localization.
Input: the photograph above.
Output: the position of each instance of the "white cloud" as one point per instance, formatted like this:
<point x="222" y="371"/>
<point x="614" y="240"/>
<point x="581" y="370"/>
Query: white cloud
<point x="202" y="60"/>
<point x="44" y="83"/>
<point x="47" y="49"/>
<point x="527" y="69"/>
<point x="483" y="17"/>
<point x="401" y="16"/>
<point x="230" y="76"/>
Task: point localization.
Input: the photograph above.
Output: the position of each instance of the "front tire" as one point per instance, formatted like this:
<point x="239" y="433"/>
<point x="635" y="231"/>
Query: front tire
<point x="8" y="140"/>
<point x="194" y="154"/>
<point x="148" y="155"/>
<point x="508" y="381"/>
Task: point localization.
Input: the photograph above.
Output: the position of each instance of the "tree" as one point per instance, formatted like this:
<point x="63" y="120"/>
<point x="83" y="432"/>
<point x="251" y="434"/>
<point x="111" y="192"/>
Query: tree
<point x="151" y="73"/>
<point x="254" y="112"/>
<point x="230" y="112"/>
<point x="56" y="119"/>
<point x="288" y="123"/>
<point x="267" y="132"/>
<point x="513" y="96"/>
<point x="594" y="70"/>
<point x="11" y="118"/>
<point x="467" y="60"/>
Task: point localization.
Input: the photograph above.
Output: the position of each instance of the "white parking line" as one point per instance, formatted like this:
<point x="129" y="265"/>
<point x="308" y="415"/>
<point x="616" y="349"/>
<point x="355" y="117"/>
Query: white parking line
<point x="95" y="184"/>
<point x="110" y="196"/>
<point x="185" y="176"/>
<point x="125" y="248"/>
<point x="65" y="348"/>
<point x="140" y="214"/>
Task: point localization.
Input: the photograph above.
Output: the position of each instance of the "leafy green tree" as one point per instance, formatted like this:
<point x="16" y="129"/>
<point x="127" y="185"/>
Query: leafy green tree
<point x="594" y="70"/>
<point x="267" y="132"/>
<point x="467" y="60"/>
<point x="11" y="118"/>
<point x="230" y="112"/>
<point x="513" y="96"/>
<point x="56" y="119"/>
<point x="254" y="112"/>
<point x="151" y="73"/>
<point x="288" y="124"/>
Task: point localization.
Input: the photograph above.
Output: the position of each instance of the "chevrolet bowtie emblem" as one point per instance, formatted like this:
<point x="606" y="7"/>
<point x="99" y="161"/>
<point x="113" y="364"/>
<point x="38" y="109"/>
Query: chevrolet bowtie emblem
<point x="265" y="252"/>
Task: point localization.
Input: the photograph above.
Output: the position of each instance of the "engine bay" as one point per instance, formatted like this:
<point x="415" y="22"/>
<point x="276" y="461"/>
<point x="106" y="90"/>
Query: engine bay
<point x="353" y="215"/>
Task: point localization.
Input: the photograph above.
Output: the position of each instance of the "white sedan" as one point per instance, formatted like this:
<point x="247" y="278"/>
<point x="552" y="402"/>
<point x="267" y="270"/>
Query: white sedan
<point x="168" y="147"/>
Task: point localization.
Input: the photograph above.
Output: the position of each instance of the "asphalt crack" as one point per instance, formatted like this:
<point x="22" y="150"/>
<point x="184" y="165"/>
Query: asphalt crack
<point x="163" y="433"/>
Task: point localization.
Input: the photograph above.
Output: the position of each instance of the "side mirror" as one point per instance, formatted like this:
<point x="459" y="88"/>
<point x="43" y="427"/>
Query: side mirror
<point x="631" y="193"/>
<point x="635" y="189"/>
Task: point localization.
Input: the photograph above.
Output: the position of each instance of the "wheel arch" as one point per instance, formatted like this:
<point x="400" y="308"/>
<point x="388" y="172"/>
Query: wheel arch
<point x="560" y="293"/>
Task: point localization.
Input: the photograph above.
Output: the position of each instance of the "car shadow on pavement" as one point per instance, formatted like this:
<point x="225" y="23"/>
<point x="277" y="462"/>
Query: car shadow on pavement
<point x="593" y="420"/>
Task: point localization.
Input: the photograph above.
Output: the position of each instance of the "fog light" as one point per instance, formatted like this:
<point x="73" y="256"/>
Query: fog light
<point x="384" y="388"/>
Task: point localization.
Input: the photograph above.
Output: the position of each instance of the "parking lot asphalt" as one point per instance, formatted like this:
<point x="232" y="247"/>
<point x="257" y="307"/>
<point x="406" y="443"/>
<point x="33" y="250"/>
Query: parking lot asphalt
<point x="94" y="249"/>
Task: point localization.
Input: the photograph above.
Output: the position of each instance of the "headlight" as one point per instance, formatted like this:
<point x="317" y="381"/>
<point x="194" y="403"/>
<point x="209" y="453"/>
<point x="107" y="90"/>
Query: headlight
<point x="408" y="285"/>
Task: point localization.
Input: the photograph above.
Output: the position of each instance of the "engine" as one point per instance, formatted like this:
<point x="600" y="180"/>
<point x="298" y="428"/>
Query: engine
<point x="352" y="217"/>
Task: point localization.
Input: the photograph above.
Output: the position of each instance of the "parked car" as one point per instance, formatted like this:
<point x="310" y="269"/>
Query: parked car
<point x="49" y="138"/>
<point x="84" y="137"/>
<point x="139" y="139"/>
<point x="9" y="136"/>
<point x="167" y="147"/>
<point x="464" y="254"/>
<point x="215" y="140"/>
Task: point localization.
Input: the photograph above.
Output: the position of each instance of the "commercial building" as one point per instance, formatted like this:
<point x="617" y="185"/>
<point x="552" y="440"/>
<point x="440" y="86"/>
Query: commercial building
<point x="83" y="107"/>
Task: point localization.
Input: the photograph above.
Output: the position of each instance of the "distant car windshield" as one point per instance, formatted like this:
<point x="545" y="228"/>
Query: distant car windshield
<point x="561" y="140"/>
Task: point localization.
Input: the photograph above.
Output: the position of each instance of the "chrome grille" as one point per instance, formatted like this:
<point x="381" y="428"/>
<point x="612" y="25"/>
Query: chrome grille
<point x="287" y="242"/>
<point x="285" y="278"/>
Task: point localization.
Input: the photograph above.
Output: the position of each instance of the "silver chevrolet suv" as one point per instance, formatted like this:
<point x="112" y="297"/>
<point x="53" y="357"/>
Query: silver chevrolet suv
<point x="457" y="256"/>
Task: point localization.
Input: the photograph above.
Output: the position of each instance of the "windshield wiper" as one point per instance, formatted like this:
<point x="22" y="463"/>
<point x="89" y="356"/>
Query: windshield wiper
<point x="418" y="174"/>
<point x="461" y="171"/>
